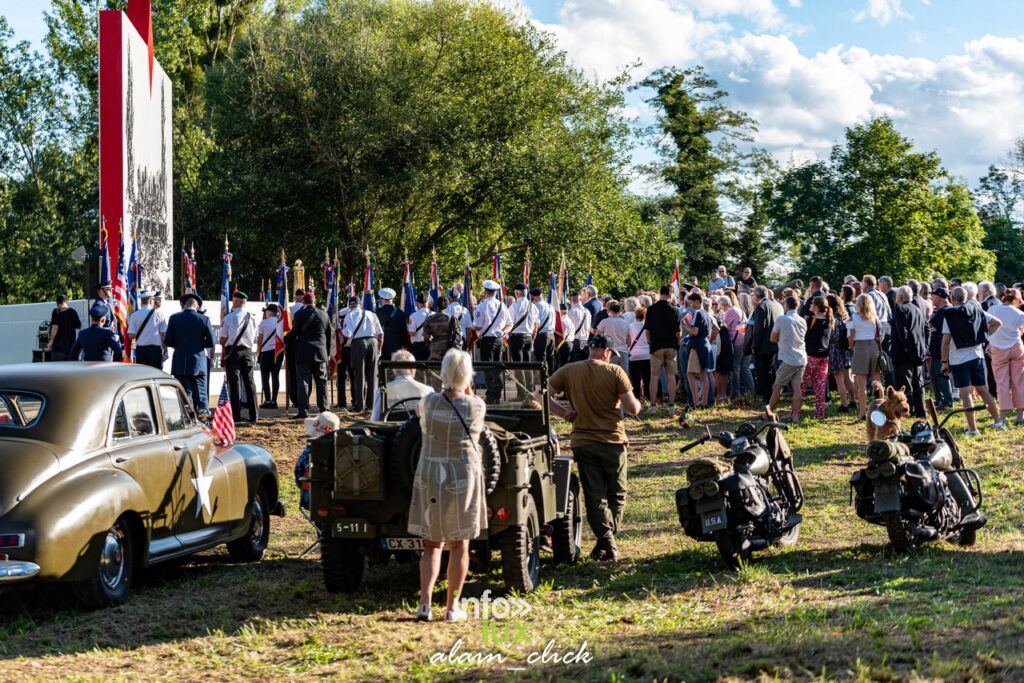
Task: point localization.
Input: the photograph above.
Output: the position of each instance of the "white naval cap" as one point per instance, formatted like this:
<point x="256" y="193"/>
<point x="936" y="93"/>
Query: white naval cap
<point x="387" y="293"/>
<point x="491" y="286"/>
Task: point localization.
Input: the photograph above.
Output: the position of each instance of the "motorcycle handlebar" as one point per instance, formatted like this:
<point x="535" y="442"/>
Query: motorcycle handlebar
<point x="694" y="444"/>
<point x="777" y="425"/>
<point x="972" y="409"/>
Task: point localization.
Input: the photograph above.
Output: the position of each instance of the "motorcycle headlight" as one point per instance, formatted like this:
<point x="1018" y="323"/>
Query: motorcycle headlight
<point x="887" y="469"/>
<point x="871" y="471"/>
<point x="696" y="492"/>
<point x="710" y="488"/>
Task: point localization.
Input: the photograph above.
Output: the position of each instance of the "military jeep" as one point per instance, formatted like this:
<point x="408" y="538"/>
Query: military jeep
<point x="361" y="479"/>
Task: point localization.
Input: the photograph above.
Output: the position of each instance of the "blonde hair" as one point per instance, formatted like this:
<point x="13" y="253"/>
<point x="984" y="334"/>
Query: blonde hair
<point x="456" y="370"/>
<point x="866" y="308"/>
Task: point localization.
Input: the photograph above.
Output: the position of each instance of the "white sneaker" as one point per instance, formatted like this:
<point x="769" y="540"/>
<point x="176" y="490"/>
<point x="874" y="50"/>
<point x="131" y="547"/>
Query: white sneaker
<point x="457" y="614"/>
<point x="1000" y="426"/>
<point x="423" y="613"/>
<point x="972" y="432"/>
<point x="651" y="411"/>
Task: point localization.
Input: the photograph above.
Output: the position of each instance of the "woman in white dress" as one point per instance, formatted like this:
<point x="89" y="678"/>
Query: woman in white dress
<point x="449" y="504"/>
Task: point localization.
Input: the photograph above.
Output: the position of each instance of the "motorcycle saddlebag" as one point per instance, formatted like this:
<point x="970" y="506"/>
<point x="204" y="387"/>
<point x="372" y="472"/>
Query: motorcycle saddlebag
<point x="864" y="495"/>
<point x="689" y="518"/>
<point x="747" y="498"/>
<point x="924" y="490"/>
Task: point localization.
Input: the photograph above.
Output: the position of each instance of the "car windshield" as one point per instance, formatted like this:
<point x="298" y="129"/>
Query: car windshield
<point x="20" y="409"/>
<point x="515" y="383"/>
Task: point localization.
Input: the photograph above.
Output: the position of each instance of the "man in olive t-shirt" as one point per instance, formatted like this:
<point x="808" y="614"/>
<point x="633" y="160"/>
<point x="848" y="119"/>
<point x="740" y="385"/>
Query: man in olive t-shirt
<point x="598" y="393"/>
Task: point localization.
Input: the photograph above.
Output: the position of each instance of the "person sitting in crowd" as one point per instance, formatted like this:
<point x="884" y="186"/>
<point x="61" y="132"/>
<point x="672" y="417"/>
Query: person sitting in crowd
<point x="403" y="391"/>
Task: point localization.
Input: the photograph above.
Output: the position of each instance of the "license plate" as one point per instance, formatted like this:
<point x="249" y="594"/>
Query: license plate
<point x="403" y="543"/>
<point x="713" y="521"/>
<point x="352" y="528"/>
<point x="887" y="495"/>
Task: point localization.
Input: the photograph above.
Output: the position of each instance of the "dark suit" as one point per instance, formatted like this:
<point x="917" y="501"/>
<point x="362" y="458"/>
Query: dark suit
<point x="190" y="334"/>
<point x="310" y="332"/>
<point x="395" y="325"/>
<point x="758" y="343"/>
<point x="96" y="343"/>
<point x="909" y="349"/>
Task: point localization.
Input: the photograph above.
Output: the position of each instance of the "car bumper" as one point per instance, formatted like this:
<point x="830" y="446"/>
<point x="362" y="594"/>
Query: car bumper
<point x="16" y="570"/>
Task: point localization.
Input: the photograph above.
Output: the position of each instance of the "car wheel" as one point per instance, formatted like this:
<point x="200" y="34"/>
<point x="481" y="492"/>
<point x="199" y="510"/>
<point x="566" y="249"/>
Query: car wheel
<point x="520" y="552"/>
<point x="112" y="577"/>
<point x="251" y="546"/>
<point x="343" y="563"/>
<point x="490" y="456"/>
<point x="567" y="531"/>
<point x="403" y="456"/>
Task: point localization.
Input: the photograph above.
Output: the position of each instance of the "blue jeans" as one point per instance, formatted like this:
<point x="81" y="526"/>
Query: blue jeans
<point x="742" y="380"/>
<point x="941" y="386"/>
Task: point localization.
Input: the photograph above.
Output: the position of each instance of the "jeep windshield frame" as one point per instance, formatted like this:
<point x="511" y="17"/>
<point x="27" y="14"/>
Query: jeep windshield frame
<point x="517" y="377"/>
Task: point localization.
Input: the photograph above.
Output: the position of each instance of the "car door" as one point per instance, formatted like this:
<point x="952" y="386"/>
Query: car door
<point x="205" y="484"/>
<point x="137" y="447"/>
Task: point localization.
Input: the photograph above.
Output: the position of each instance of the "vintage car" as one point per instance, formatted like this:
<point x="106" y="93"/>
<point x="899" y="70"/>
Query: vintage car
<point x="104" y="470"/>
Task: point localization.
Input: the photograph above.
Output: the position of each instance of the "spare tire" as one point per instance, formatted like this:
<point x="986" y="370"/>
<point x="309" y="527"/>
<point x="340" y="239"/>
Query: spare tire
<point x="405" y="454"/>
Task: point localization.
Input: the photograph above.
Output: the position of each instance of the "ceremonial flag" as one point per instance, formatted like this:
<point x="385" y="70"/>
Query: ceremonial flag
<point x="674" y="284"/>
<point x="496" y="273"/>
<point x="589" y="281"/>
<point x="526" y="270"/>
<point x="269" y="296"/>
<point x="284" y="316"/>
<point x="120" y="297"/>
<point x="186" y="284"/>
<point x="134" y="276"/>
<point x="467" y="302"/>
<point x="554" y="299"/>
<point x="408" y="291"/>
<point x="223" y="424"/>
<point x="368" y="300"/>
<point x="225" y="282"/>
<point x="435" y="282"/>
<point x="105" y="263"/>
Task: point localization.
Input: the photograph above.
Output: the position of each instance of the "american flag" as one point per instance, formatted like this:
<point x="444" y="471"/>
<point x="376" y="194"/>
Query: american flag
<point x="223" y="424"/>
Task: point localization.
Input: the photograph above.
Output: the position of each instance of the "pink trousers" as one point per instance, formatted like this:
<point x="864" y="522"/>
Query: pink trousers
<point x="1008" y="369"/>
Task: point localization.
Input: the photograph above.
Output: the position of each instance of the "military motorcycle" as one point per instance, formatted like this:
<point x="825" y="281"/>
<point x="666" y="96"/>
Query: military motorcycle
<point x="748" y="505"/>
<point x="917" y="486"/>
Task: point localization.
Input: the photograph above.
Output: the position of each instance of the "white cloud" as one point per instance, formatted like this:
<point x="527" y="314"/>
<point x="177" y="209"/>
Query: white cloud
<point x="796" y="3"/>
<point x="883" y="11"/>
<point x="968" y="106"/>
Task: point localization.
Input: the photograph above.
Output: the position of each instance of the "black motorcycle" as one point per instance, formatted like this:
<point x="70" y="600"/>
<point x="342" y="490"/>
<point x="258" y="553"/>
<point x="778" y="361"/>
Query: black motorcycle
<point x="917" y="486"/>
<point x="748" y="506"/>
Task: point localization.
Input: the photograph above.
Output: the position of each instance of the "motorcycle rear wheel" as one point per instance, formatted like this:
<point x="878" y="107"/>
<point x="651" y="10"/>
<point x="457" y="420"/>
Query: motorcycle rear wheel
<point x="730" y="547"/>
<point x="900" y="536"/>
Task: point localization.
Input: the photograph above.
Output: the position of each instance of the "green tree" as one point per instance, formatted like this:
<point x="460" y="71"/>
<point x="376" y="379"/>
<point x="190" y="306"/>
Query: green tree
<point x="408" y="126"/>
<point x="696" y="136"/>
<point x="877" y="206"/>
<point x="1000" y="202"/>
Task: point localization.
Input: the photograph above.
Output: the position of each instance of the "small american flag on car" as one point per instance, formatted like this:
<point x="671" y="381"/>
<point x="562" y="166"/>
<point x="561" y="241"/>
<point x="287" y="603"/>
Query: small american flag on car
<point x="223" y="425"/>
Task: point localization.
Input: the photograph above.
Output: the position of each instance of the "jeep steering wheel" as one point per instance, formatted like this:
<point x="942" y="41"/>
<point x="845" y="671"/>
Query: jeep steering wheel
<point x="410" y="413"/>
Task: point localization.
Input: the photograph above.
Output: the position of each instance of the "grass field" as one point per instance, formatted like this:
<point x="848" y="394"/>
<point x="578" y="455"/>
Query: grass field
<point x="835" y="606"/>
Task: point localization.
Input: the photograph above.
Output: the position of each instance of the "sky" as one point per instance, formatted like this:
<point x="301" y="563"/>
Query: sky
<point x="950" y="73"/>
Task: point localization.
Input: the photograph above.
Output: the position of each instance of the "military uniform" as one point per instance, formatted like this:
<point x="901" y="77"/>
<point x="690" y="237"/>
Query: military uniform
<point x="363" y="330"/>
<point x="147" y="327"/>
<point x="96" y="342"/>
<point x="523" y="314"/>
<point x="544" y="341"/>
<point x="417" y="321"/>
<point x="237" y="336"/>
<point x="393" y="322"/>
<point x="190" y="335"/>
<point x="490" y="320"/>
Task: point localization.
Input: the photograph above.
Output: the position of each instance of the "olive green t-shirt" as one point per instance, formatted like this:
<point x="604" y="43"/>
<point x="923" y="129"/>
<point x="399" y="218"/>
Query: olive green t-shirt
<point x="593" y="389"/>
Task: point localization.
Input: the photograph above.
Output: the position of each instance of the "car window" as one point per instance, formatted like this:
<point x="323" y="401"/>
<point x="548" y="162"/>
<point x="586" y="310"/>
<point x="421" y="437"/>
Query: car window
<point x="134" y="415"/>
<point x="176" y="417"/>
<point x="20" y="409"/>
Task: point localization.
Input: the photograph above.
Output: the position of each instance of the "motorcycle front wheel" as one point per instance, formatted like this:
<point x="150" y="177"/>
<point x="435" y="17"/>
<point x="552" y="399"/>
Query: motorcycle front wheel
<point x="790" y="537"/>
<point x="730" y="547"/>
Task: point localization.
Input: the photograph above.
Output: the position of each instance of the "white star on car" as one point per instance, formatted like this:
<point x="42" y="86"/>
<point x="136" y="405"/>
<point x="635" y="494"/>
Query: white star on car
<point x="202" y="483"/>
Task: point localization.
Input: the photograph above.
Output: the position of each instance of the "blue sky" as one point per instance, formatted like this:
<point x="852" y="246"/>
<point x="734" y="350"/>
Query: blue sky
<point x="949" y="72"/>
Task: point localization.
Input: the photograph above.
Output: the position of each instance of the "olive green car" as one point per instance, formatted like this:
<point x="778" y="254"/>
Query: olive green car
<point x="104" y="470"/>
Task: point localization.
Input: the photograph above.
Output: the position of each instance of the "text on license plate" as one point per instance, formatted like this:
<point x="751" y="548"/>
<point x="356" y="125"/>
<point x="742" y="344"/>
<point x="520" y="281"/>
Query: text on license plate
<point x="713" y="521"/>
<point x="351" y="527"/>
<point x="404" y="543"/>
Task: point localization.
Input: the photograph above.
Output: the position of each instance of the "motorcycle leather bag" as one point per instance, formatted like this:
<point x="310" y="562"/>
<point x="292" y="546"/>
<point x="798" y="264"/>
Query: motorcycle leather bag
<point x="922" y="485"/>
